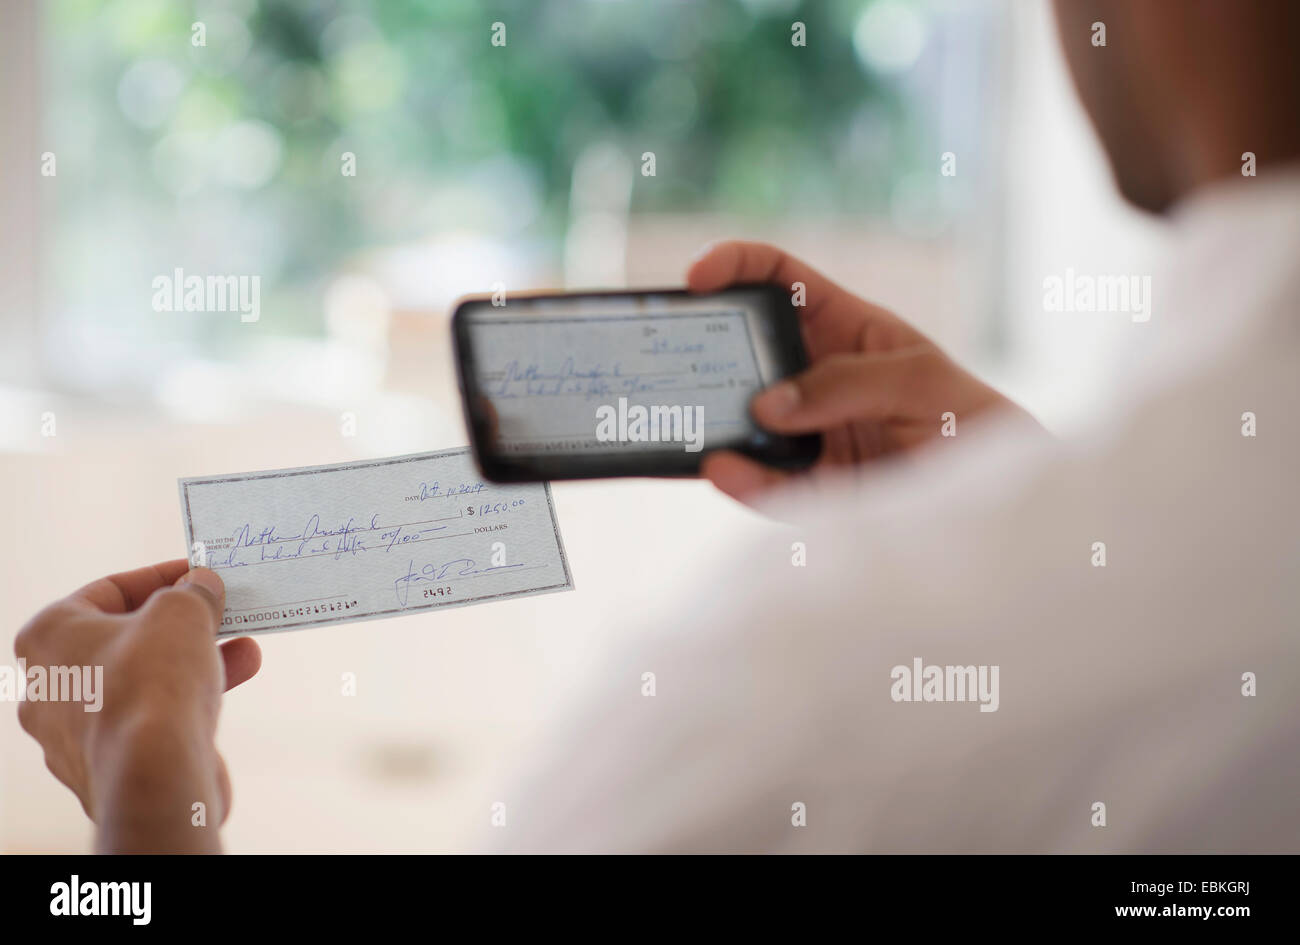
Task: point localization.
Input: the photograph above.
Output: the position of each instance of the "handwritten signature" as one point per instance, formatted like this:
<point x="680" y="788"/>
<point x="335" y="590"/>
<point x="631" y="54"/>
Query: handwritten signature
<point x="439" y="572"/>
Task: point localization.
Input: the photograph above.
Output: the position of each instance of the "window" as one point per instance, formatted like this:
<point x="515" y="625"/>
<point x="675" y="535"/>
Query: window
<point x="368" y="160"/>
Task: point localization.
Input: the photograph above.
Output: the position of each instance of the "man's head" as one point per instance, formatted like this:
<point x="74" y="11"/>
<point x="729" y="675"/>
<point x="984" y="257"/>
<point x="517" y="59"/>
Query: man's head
<point x="1182" y="88"/>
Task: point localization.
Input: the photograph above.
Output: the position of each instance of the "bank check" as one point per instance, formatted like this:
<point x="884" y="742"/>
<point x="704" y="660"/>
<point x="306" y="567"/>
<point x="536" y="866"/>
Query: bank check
<point x="364" y="540"/>
<point x="542" y="373"/>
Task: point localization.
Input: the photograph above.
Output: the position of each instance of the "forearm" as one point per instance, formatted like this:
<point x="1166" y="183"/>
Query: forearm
<point x="156" y="787"/>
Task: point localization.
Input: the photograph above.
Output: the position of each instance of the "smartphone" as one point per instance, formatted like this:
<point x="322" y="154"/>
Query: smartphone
<point x="585" y="385"/>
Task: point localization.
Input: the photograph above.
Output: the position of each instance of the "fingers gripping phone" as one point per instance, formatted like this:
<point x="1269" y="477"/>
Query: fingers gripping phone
<point x="584" y="385"/>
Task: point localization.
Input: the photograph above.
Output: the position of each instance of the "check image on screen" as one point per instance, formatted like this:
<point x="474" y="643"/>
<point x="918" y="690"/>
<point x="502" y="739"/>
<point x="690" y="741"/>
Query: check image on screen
<point x="547" y="377"/>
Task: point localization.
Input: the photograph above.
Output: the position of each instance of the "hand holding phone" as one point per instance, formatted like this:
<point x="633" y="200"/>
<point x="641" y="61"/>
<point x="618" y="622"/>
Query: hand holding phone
<point x="574" y="386"/>
<point x="876" y="387"/>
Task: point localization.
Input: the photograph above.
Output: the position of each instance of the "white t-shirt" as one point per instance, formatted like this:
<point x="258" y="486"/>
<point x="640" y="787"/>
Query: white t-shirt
<point x="775" y="725"/>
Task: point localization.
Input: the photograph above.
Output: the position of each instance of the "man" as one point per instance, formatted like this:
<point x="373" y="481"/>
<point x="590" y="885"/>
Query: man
<point x="1000" y="642"/>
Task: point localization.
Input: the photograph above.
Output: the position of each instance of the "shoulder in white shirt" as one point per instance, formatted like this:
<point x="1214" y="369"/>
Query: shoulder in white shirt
<point x="1121" y="685"/>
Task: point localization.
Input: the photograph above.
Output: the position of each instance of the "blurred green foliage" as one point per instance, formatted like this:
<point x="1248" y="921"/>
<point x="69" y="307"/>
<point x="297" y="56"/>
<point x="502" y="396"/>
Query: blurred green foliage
<point x="222" y="151"/>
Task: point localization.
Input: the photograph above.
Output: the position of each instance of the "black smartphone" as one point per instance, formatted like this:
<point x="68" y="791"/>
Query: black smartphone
<point x="584" y="385"/>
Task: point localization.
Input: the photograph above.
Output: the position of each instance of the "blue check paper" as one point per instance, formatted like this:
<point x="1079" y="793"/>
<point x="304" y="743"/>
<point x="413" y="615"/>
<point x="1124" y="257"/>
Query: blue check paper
<point x="360" y="541"/>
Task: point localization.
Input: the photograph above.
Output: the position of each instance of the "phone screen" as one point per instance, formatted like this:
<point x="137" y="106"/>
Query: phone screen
<point x="618" y="384"/>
